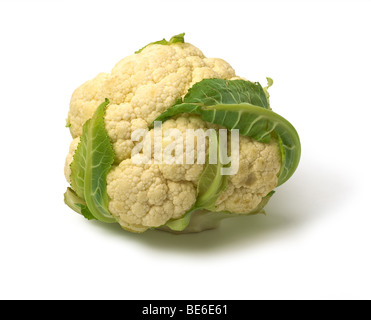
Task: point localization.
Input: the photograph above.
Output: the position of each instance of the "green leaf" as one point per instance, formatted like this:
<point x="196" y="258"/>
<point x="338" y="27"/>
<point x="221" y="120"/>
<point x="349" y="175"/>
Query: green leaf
<point x="242" y="105"/>
<point x="269" y="84"/>
<point x="77" y="204"/>
<point x="259" y="123"/>
<point x="175" y="39"/>
<point x="211" y="183"/>
<point x="209" y="92"/>
<point x="92" y="161"/>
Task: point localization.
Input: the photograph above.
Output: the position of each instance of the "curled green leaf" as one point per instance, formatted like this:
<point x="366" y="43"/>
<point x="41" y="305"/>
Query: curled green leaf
<point x="92" y="161"/>
<point x="242" y="105"/>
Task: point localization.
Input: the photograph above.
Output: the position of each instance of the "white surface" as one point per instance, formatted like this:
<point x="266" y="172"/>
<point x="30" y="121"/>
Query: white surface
<point x="314" y="242"/>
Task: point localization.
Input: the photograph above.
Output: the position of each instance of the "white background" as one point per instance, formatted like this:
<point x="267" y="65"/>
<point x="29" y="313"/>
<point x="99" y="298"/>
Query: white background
<point x="314" y="242"/>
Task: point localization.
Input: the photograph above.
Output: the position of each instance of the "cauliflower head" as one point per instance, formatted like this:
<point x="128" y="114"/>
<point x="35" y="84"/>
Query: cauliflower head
<point x="141" y="88"/>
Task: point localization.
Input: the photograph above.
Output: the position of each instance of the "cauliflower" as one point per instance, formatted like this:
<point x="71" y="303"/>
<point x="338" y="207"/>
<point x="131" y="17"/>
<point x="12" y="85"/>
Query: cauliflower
<point x="173" y="82"/>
